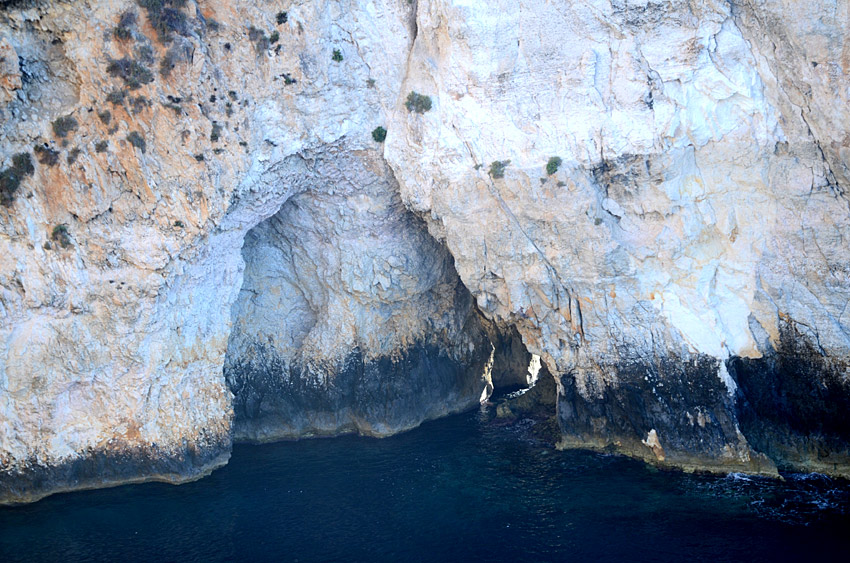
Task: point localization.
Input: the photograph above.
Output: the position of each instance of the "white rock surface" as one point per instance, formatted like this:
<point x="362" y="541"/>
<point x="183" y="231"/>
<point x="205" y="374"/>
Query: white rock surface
<point x="694" y="213"/>
<point x="700" y="209"/>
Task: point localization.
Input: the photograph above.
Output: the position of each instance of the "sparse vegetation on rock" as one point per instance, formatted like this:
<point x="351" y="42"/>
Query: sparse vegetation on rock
<point x="46" y="155"/>
<point x="417" y="102"/>
<point x="379" y="134"/>
<point x="61" y="235"/>
<point x="166" y="18"/>
<point x="497" y="168"/>
<point x="116" y="97"/>
<point x="132" y="72"/>
<point x="73" y="154"/>
<point x="553" y="165"/>
<point x="259" y="39"/>
<point x="138" y="104"/>
<point x="215" y="134"/>
<point x="11" y="178"/>
<point x="137" y="140"/>
<point x="337" y="56"/>
<point x="124" y="30"/>
<point x="64" y="125"/>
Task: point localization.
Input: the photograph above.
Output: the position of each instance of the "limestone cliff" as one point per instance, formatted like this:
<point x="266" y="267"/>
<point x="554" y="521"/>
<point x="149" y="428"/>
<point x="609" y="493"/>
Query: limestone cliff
<point x="681" y="266"/>
<point x="197" y="221"/>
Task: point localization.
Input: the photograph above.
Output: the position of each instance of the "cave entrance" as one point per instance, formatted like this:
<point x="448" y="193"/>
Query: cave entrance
<point x="352" y="318"/>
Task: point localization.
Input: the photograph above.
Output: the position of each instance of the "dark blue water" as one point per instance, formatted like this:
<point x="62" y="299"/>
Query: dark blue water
<point x="458" y="489"/>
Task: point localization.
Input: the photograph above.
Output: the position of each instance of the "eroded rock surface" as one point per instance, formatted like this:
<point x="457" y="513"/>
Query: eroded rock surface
<point x="698" y="214"/>
<point x="683" y="274"/>
<point x="351" y="317"/>
<point x="114" y="328"/>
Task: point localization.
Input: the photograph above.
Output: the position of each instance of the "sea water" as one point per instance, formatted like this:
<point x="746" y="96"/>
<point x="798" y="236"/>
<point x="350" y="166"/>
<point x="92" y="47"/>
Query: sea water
<point x="464" y="488"/>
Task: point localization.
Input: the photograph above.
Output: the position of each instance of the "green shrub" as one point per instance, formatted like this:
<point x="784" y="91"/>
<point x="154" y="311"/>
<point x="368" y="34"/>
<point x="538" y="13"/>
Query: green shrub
<point x="138" y="104"/>
<point x="46" y="155"/>
<point x="11" y="178"/>
<point x="101" y="146"/>
<point x="105" y="117"/>
<point x="417" y="102"/>
<point x="287" y="79"/>
<point x="64" y="125"/>
<point x="282" y="18"/>
<point x="61" y="235"/>
<point x="124" y="30"/>
<point x="233" y="96"/>
<point x="137" y="140"/>
<point x="132" y="72"/>
<point x="553" y="165"/>
<point x="166" y="18"/>
<point x="116" y="97"/>
<point x="179" y="224"/>
<point x="72" y="156"/>
<point x="215" y="134"/>
<point x="379" y="134"/>
<point x="497" y="168"/>
<point x="337" y="56"/>
<point x="274" y="37"/>
<point x="199" y="157"/>
<point x="259" y="39"/>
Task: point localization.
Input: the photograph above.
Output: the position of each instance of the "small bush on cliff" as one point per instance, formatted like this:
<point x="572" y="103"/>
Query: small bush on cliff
<point x="61" y="235"/>
<point x="497" y="168"/>
<point x="124" y="30"/>
<point x="215" y="134"/>
<point x="417" y="102"/>
<point x="46" y="155"/>
<point x="166" y="18"/>
<point x="73" y="154"/>
<point x="137" y="140"/>
<point x="282" y="17"/>
<point x="11" y="178"/>
<point x="379" y="134"/>
<point x="138" y="104"/>
<point x="116" y="97"/>
<point x="132" y="72"/>
<point x="259" y="39"/>
<point x="105" y="117"/>
<point x="337" y="56"/>
<point x="553" y="165"/>
<point x="64" y="125"/>
<point x="101" y="146"/>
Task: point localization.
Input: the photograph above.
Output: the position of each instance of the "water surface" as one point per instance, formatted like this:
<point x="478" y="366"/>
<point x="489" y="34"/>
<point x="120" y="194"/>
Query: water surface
<point x="464" y="488"/>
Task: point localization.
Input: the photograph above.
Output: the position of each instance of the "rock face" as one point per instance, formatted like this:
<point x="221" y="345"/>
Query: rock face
<point x="683" y="273"/>
<point x="351" y="317"/>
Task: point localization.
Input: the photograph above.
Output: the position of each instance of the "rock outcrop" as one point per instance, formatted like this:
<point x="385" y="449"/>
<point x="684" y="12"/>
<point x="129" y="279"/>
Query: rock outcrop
<point x="197" y="224"/>
<point x="683" y="271"/>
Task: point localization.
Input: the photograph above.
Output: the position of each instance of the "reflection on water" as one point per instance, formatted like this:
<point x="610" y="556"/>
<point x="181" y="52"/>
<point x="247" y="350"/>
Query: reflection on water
<point x="462" y="488"/>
